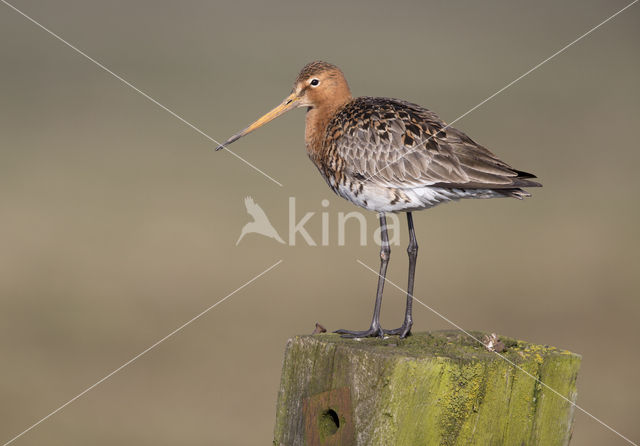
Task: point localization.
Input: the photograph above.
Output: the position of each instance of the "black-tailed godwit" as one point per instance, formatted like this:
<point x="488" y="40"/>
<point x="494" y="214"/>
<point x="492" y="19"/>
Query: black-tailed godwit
<point x="388" y="155"/>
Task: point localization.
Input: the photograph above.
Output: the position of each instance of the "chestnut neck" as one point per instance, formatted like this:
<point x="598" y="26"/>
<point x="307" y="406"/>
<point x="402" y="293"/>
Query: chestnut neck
<point x="317" y="120"/>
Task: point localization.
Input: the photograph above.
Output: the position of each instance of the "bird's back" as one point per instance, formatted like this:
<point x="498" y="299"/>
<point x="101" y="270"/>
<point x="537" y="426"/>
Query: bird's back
<point x="388" y="143"/>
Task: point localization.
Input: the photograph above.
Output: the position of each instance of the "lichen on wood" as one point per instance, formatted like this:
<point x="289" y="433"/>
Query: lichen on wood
<point x="439" y="388"/>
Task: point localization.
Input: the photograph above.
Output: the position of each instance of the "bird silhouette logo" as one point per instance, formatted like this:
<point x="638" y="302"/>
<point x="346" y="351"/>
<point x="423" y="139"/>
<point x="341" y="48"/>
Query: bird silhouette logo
<point x="260" y="223"/>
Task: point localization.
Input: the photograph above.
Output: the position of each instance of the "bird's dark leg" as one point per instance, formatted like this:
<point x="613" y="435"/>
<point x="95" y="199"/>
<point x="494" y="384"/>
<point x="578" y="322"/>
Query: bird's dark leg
<point x="412" y="250"/>
<point x="385" y="252"/>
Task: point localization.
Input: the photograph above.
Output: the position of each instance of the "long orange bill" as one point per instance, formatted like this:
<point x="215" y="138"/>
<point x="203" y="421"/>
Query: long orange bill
<point x="290" y="102"/>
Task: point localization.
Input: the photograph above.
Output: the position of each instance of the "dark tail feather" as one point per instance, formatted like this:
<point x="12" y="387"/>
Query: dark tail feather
<point x="522" y="180"/>
<point x="522" y="174"/>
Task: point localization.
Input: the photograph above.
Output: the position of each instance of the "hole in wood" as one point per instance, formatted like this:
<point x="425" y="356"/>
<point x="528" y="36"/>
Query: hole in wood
<point x="329" y="422"/>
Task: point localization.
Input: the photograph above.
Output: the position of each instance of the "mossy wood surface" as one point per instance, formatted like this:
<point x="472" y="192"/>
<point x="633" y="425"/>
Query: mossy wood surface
<point x="440" y="388"/>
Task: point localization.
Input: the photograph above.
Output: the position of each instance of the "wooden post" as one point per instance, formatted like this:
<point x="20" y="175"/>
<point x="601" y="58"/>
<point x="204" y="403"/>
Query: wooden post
<point x="440" y="388"/>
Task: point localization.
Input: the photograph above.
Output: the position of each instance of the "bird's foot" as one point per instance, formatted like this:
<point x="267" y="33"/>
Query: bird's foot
<point x="370" y="333"/>
<point x="403" y="331"/>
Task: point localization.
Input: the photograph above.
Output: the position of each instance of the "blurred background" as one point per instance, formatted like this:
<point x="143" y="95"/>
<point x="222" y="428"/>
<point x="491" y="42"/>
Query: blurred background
<point x="119" y="223"/>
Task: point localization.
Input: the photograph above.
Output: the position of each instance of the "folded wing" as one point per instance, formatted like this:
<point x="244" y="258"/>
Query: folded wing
<point x="400" y="144"/>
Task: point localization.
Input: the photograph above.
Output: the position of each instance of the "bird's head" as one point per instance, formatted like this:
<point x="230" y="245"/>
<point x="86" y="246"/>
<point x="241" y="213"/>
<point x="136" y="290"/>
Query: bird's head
<point x="318" y="85"/>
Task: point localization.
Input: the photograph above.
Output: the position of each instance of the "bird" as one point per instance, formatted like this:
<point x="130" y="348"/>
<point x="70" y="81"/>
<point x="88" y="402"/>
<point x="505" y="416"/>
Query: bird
<point x="389" y="155"/>
<point x="260" y="223"/>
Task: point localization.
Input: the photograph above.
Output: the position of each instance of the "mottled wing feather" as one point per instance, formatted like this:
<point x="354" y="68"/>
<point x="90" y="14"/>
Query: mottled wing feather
<point x="399" y="144"/>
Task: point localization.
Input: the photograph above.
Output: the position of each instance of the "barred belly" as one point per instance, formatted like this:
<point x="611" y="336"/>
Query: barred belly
<point x="388" y="199"/>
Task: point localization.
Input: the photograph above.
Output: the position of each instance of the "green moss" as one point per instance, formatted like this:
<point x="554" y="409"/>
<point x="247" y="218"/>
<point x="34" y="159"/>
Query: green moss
<point x="560" y="374"/>
<point x="465" y="382"/>
<point x="439" y="388"/>
<point x="329" y="423"/>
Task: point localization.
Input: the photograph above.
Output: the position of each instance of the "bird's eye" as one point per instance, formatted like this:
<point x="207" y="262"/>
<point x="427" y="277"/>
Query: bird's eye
<point x="314" y="82"/>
